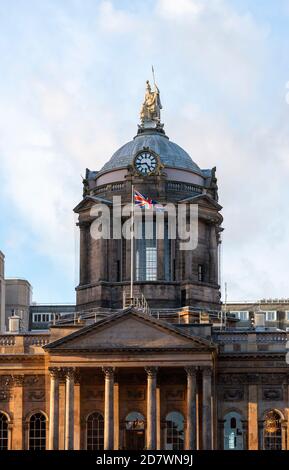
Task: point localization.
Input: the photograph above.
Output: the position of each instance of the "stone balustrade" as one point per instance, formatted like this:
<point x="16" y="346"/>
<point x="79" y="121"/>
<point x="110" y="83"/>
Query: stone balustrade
<point x="23" y="343"/>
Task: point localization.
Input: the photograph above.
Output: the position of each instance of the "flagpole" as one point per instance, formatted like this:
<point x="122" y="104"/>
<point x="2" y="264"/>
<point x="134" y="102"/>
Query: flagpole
<point x="132" y="244"/>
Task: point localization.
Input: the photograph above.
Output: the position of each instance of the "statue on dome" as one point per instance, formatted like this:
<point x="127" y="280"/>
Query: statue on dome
<point x="150" y="110"/>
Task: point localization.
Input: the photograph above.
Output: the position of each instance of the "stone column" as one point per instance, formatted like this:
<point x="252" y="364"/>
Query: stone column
<point x="77" y="415"/>
<point x="253" y="417"/>
<point x="69" y="408"/>
<point x="191" y="408"/>
<point x="17" y="439"/>
<point x="116" y="415"/>
<point x="151" y="408"/>
<point x="108" y="408"/>
<point x="213" y="254"/>
<point x="53" y="441"/>
<point x="207" y="409"/>
<point x="84" y="253"/>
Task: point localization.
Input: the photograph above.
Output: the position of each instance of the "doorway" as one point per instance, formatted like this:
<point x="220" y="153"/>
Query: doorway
<point x="134" y="431"/>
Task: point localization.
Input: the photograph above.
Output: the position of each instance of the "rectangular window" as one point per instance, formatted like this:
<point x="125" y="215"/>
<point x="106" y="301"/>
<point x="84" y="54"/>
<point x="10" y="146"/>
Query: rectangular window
<point x="242" y="315"/>
<point x="271" y="315"/>
<point x="118" y="270"/>
<point x="287" y="315"/>
<point x="201" y="273"/>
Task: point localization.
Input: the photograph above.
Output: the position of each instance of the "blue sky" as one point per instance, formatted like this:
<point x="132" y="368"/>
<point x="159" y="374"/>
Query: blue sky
<point x="71" y="83"/>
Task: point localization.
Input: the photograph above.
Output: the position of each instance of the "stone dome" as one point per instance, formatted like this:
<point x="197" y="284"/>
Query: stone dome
<point x="171" y="154"/>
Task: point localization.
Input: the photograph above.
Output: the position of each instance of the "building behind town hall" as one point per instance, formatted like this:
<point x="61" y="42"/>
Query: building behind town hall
<point x="161" y="364"/>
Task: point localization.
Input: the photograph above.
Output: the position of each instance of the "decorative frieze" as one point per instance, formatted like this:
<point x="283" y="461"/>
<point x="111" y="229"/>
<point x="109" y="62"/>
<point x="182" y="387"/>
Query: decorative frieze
<point x="252" y="378"/>
<point x="93" y="394"/>
<point x="36" y="395"/>
<point x="175" y="395"/>
<point x="4" y="396"/>
<point x="272" y="394"/>
<point x="135" y="394"/>
<point x="232" y="394"/>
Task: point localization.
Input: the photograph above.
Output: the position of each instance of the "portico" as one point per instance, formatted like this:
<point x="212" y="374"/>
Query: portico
<point x="146" y="378"/>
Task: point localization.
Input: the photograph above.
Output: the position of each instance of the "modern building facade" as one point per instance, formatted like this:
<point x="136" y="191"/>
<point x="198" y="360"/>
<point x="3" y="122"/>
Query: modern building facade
<point x="158" y="366"/>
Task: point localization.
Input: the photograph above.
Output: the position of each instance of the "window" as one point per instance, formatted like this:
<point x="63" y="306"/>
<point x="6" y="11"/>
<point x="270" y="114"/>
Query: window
<point x="37" y="432"/>
<point x="146" y="254"/>
<point x="43" y="317"/>
<point x="272" y="431"/>
<point x="287" y="315"/>
<point x="3" y="432"/>
<point x="95" y="432"/>
<point x="174" y="431"/>
<point x="242" y="315"/>
<point x="233" y="431"/>
<point x="201" y="273"/>
<point x="271" y="315"/>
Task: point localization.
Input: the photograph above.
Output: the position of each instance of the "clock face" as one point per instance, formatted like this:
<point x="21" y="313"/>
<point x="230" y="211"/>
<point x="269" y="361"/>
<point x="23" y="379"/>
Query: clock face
<point x="146" y="163"/>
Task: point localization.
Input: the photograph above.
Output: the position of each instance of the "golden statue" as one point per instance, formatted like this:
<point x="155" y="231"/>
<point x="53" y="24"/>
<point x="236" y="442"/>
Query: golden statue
<point x="150" y="110"/>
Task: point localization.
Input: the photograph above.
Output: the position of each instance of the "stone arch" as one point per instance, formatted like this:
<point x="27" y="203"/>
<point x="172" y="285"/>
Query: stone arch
<point x="233" y="434"/>
<point x="94" y="430"/>
<point x="174" y="430"/>
<point x="36" y="430"/>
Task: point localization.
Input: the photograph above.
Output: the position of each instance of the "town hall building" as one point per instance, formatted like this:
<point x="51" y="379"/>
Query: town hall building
<point x="147" y="360"/>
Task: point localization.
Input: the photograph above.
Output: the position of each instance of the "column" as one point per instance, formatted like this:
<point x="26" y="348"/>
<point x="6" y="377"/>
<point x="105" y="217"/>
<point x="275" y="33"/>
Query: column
<point x="53" y="441"/>
<point x="116" y="416"/>
<point x="151" y="407"/>
<point x="253" y="417"/>
<point x="17" y="439"/>
<point x="207" y="408"/>
<point x="69" y="408"/>
<point x="108" y="408"/>
<point x="191" y="408"/>
<point x="158" y="408"/>
<point x="77" y="415"/>
<point x="84" y="253"/>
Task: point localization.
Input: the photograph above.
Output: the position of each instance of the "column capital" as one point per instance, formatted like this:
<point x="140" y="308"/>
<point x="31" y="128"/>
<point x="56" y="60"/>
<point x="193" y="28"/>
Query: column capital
<point x="54" y="372"/>
<point x="207" y="371"/>
<point x="69" y="373"/>
<point x="18" y="380"/>
<point x="108" y="372"/>
<point x="191" y="371"/>
<point x="151" y="371"/>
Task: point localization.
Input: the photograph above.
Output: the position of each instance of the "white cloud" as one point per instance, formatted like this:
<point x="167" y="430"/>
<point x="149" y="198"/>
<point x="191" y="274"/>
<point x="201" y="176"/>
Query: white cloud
<point x="78" y="102"/>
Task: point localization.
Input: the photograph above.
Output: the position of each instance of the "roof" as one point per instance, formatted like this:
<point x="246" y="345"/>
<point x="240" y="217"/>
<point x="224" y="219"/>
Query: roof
<point x="171" y="154"/>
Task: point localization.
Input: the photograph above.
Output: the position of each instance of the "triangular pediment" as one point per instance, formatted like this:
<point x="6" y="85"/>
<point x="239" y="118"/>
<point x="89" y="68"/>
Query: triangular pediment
<point x="203" y="200"/>
<point x="129" y="330"/>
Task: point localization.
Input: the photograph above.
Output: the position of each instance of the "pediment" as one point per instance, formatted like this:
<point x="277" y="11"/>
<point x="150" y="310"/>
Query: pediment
<point x="203" y="200"/>
<point x="129" y="330"/>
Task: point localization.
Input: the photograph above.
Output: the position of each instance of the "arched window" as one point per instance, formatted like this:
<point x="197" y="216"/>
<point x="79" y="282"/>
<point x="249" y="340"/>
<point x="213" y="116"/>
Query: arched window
<point x="37" y="432"/>
<point x="134" y="431"/>
<point x="3" y="432"/>
<point x="233" y="431"/>
<point x="272" y="431"/>
<point x="174" y="431"/>
<point x="95" y="432"/>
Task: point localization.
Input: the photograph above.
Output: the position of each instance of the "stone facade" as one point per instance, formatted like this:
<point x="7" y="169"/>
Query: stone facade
<point x="169" y="371"/>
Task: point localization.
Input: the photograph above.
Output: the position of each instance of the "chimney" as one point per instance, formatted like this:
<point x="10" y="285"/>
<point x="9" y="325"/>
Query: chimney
<point x="14" y="324"/>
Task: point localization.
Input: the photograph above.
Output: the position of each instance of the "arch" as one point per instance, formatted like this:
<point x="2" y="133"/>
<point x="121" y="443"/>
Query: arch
<point x="272" y="430"/>
<point x="174" y="431"/>
<point x="233" y="431"/>
<point x="37" y="430"/>
<point x="95" y="431"/>
<point x="134" y="420"/>
<point x="4" y="430"/>
<point x="134" y="437"/>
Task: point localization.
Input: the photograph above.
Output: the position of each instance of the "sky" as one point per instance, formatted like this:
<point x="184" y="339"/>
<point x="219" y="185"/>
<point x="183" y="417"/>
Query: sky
<point x="72" y="79"/>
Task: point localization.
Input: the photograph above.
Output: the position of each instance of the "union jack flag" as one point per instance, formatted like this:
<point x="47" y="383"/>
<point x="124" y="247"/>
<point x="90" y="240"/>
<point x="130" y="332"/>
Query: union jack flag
<point x="143" y="201"/>
<point x="146" y="202"/>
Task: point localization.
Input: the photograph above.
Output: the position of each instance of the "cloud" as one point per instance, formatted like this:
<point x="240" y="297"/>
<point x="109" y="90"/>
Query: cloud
<point x="70" y="93"/>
